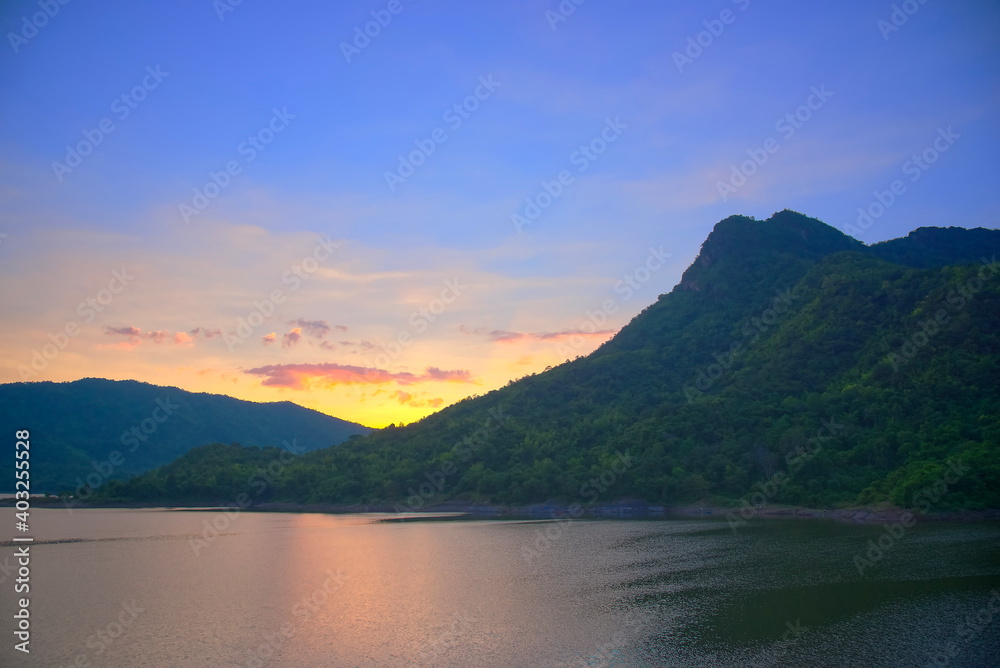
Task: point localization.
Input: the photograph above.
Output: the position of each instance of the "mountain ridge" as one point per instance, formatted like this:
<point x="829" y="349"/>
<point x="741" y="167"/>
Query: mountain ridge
<point x="709" y="390"/>
<point x="82" y="422"/>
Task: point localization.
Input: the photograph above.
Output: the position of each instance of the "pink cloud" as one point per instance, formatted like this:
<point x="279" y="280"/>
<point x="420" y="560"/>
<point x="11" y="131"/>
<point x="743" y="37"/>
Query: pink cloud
<point x="122" y="331"/>
<point x="268" y="339"/>
<point x="500" y="336"/>
<point x="291" y="338"/>
<point x="207" y="333"/>
<point x="504" y="336"/>
<point x="302" y="376"/>
<point x="136" y="335"/>
<point x="314" y="328"/>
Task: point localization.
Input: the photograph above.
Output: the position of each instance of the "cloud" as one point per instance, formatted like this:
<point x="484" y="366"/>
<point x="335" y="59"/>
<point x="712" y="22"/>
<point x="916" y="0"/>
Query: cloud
<point x="207" y="333"/>
<point x="364" y="345"/>
<point x="407" y="399"/>
<point x="500" y="335"/>
<point x="450" y="376"/>
<point x="503" y="336"/>
<point x="317" y="329"/>
<point x="268" y="339"/>
<point x="136" y="335"/>
<point x="291" y="338"/>
<point x="122" y="331"/>
<point x="303" y="376"/>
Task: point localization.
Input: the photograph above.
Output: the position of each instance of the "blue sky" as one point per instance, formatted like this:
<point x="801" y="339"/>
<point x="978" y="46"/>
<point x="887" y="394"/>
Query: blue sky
<point x="531" y="91"/>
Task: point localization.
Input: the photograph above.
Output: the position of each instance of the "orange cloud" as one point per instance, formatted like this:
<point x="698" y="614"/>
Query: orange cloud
<point x="303" y="376"/>
<point x="408" y="399"/>
<point x="268" y="339"/>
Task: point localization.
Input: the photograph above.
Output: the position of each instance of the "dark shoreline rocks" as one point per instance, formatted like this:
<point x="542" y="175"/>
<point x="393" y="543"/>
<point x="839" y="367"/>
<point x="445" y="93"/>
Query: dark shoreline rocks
<point x="554" y="510"/>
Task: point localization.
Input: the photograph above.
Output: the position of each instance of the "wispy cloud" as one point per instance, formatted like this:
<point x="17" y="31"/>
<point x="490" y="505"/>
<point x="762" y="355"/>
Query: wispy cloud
<point x="503" y="336"/>
<point x="408" y="399"/>
<point x="136" y="335"/>
<point x="305" y="376"/>
<point x="316" y="329"/>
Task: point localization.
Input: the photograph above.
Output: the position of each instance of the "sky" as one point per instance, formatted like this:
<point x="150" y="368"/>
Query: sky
<point x="375" y="209"/>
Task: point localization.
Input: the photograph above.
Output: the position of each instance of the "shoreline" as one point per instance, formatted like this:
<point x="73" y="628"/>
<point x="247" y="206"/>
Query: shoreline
<point x="546" y="511"/>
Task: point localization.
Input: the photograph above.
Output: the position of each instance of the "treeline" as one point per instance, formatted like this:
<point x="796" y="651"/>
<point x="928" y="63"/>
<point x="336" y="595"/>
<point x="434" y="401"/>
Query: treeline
<point x="790" y="358"/>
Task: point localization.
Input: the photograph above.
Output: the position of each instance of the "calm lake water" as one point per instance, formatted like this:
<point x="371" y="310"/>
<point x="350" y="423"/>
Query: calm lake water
<point x="137" y="588"/>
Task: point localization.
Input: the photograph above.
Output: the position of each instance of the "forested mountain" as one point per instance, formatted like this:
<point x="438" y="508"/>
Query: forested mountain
<point x="77" y="427"/>
<point x="789" y="358"/>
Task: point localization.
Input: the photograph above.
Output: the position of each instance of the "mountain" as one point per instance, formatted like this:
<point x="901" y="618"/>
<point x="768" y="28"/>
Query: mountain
<point x="76" y="428"/>
<point x="791" y="364"/>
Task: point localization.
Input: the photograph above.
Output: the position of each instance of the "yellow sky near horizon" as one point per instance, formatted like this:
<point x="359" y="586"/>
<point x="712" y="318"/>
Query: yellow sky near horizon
<point x="298" y="317"/>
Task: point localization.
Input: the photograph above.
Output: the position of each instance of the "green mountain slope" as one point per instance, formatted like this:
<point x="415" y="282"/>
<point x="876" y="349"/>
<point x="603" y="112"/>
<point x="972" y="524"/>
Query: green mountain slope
<point x="76" y="427"/>
<point x="791" y="362"/>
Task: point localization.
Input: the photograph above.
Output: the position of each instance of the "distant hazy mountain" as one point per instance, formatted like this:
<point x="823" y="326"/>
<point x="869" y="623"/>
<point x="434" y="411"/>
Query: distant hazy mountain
<point x="792" y="363"/>
<point x="77" y="427"/>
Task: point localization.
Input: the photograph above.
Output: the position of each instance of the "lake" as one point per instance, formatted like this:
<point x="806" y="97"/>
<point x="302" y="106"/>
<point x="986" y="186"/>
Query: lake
<point x="186" y="588"/>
